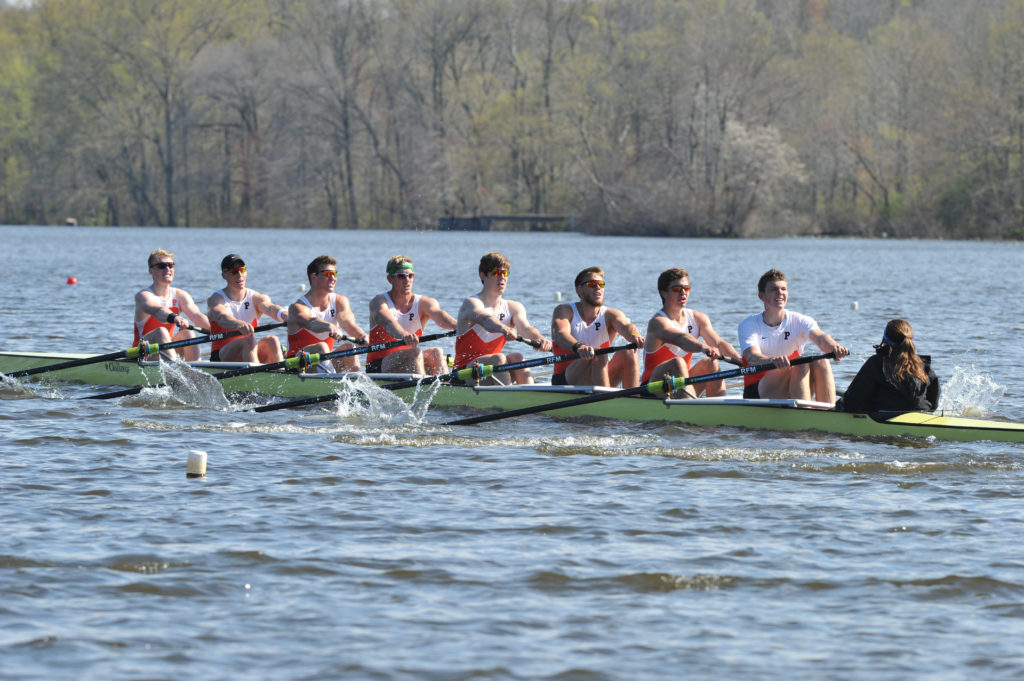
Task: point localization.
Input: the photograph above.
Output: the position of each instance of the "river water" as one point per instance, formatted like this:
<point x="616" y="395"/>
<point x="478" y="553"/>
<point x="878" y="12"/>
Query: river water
<point x="364" y="542"/>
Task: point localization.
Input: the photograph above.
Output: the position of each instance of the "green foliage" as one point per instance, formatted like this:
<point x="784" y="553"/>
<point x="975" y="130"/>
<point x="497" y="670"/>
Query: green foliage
<point x="676" y="117"/>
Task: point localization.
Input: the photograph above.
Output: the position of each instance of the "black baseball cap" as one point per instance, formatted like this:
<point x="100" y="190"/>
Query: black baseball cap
<point x="231" y="261"/>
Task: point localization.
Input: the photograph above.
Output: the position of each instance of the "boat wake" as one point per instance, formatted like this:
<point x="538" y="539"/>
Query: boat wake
<point x="183" y="387"/>
<point x="970" y="392"/>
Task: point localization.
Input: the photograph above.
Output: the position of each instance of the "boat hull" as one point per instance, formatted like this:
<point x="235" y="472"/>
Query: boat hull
<point x="774" y="415"/>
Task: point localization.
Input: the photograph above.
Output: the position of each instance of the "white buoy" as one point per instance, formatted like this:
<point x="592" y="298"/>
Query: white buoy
<point x="854" y="305"/>
<point x="196" y="467"/>
<point x="302" y="288"/>
<point x="558" y="296"/>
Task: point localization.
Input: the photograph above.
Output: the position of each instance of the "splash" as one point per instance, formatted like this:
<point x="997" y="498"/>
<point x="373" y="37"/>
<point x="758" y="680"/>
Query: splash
<point x="182" y="386"/>
<point x="970" y="392"/>
<point x="13" y="389"/>
<point x="362" y="399"/>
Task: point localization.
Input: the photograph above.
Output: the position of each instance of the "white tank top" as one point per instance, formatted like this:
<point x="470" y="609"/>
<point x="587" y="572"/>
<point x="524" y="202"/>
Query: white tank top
<point x="243" y="310"/>
<point x="594" y="334"/>
<point x="410" y="321"/>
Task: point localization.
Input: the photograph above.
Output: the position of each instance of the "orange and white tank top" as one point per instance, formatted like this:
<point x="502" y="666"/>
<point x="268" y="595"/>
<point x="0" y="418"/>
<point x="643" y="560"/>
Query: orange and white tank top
<point x="594" y="334"/>
<point x="409" y="321"/>
<point x="304" y="337"/>
<point x="667" y="351"/>
<point x="150" y="323"/>
<point x="242" y="310"/>
<point x="478" y="341"/>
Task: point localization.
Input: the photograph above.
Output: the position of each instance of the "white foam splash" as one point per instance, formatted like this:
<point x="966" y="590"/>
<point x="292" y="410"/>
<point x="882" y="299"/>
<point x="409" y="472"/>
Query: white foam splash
<point x="970" y="392"/>
<point x="184" y="386"/>
<point x="363" y="399"/>
<point x="13" y="389"/>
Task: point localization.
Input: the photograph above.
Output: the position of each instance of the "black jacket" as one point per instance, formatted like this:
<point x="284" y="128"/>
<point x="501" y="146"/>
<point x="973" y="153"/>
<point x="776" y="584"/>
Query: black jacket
<point x="875" y="389"/>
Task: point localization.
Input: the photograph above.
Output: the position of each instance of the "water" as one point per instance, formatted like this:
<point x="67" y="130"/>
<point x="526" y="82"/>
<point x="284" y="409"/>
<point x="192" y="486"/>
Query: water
<point x="369" y="542"/>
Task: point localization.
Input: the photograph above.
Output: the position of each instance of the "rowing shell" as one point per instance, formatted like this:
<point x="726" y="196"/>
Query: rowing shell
<point x="775" y="415"/>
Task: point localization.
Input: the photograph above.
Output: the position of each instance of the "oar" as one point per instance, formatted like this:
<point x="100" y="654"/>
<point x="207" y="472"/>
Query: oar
<point x="140" y="350"/>
<point x="467" y="374"/>
<point x="652" y="388"/>
<point x="297" y="363"/>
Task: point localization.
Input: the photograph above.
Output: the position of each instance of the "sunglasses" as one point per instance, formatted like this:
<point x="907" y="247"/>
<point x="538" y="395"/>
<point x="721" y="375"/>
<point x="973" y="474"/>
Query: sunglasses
<point x="594" y="283"/>
<point x="328" y="273"/>
<point x="499" y="273"/>
<point x="404" y="275"/>
<point x="236" y="270"/>
<point x="679" y="288"/>
<point x="163" y="265"/>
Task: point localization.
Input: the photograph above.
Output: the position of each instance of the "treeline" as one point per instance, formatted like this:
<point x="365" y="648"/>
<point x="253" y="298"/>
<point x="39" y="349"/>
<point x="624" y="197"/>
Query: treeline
<point x="676" y="117"/>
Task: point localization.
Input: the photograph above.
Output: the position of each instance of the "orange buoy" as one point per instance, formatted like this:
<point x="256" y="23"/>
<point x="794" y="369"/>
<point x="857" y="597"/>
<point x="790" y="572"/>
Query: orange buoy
<point x="72" y="281"/>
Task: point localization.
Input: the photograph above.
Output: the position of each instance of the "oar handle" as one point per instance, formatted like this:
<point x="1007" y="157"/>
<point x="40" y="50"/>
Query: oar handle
<point x="532" y="343"/>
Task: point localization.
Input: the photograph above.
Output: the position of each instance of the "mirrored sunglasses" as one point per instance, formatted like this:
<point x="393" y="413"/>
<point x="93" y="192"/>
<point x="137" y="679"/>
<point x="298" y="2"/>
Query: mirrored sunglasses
<point x="594" y="283"/>
<point x="234" y="271"/>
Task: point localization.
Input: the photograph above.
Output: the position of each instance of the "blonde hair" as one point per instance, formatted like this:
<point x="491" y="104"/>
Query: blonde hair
<point x="395" y="263"/>
<point x="158" y="253"/>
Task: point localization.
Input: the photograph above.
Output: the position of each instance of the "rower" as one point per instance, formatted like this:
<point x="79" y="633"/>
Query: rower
<point x="589" y="324"/>
<point x="895" y="378"/>
<point x="321" y="317"/>
<point x="675" y="332"/>
<point x="400" y="314"/>
<point x="163" y="312"/>
<point x="776" y="335"/>
<point x="487" y="320"/>
<point x="237" y="307"/>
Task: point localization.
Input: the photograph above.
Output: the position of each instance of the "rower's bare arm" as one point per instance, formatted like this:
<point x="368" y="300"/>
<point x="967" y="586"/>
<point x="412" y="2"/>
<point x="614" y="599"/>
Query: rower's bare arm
<point x="438" y="315"/>
<point x="625" y="328"/>
<point x="192" y="311"/>
<point x="668" y="331"/>
<point x="561" y="326"/>
<point x="218" y="313"/>
<point x="527" y="330"/>
<point x="347" y="320"/>
<point x="711" y="336"/>
<point x="474" y="312"/>
<point x="828" y="344"/>
<point x="269" y="308"/>
<point x="151" y="305"/>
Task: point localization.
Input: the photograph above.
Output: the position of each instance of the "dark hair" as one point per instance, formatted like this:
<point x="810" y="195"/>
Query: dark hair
<point x="771" y="275"/>
<point x="583" y="273"/>
<point x="317" y="264"/>
<point x="668" y="275"/>
<point x="493" y="261"/>
<point x="898" y="339"/>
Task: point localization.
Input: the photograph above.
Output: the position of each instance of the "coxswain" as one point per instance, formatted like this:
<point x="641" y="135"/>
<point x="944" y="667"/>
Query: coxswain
<point x="895" y="378"/>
